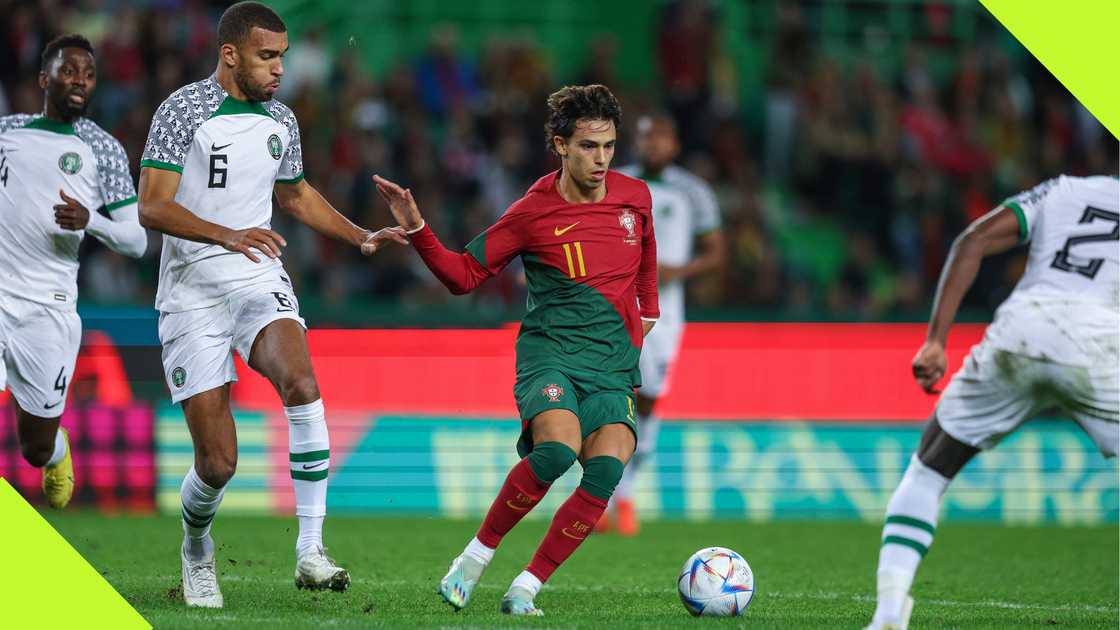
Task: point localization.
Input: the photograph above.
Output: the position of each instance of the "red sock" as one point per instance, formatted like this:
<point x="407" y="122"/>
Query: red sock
<point x="570" y="526"/>
<point x="519" y="494"/>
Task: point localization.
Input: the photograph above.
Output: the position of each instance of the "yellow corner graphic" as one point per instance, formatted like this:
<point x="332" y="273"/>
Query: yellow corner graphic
<point x="53" y="586"/>
<point x="1076" y="41"/>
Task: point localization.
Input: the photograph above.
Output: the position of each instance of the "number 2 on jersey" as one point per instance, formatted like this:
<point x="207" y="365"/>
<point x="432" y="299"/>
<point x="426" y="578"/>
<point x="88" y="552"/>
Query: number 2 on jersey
<point x="1062" y="260"/>
<point x="573" y="270"/>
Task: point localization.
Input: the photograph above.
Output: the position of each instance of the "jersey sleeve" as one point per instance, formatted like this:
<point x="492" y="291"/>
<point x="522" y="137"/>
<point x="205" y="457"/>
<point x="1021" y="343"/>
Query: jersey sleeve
<point x="646" y="281"/>
<point x="705" y="207"/>
<point x="291" y="164"/>
<point x="14" y="121"/>
<point x="1028" y="204"/>
<point x="113" y="176"/>
<point x="170" y="136"/>
<point x="500" y="243"/>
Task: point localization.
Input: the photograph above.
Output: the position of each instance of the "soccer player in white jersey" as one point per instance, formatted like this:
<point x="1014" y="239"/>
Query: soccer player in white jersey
<point x="1053" y="344"/>
<point x="685" y="213"/>
<point x="217" y="151"/>
<point x="54" y="166"/>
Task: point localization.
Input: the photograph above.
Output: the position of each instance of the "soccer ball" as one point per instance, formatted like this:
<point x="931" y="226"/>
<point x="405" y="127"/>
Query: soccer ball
<point x="716" y="582"/>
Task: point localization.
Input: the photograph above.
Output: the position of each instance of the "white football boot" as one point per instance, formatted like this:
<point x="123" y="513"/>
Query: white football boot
<point x="461" y="578"/>
<point x="902" y="622"/>
<point x="200" y="582"/>
<point x="518" y="601"/>
<point x="316" y="571"/>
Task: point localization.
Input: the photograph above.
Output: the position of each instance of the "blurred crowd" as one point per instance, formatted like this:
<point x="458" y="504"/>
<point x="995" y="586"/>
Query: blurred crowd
<point x="842" y="180"/>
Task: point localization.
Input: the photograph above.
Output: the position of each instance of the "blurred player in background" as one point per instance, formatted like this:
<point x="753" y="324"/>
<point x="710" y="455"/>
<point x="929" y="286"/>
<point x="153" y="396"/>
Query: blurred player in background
<point x="54" y="167"/>
<point x="1054" y="343"/>
<point x="217" y="151"/>
<point x="684" y="211"/>
<point x="585" y="235"/>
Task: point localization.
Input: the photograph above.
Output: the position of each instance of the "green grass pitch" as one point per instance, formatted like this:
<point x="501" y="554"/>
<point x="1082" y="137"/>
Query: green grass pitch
<point x="809" y="574"/>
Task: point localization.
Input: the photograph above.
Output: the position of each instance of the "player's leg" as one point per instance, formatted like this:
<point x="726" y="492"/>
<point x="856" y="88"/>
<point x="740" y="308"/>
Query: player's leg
<point x="649" y="425"/>
<point x="39" y="356"/>
<point x="555" y="434"/>
<point x="279" y="352"/>
<point x="605" y="451"/>
<point x="658" y="352"/>
<point x="980" y="406"/>
<point x="198" y="368"/>
<point x="214" y="437"/>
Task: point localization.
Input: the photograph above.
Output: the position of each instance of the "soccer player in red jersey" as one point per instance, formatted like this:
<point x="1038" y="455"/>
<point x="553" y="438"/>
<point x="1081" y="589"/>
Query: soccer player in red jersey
<point x="585" y="235"/>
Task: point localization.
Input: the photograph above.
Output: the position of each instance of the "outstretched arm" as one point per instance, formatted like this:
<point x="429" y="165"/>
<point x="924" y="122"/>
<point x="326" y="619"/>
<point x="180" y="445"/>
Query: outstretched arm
<point x="460" y="273"/>
<point x="993" y="233"/>
<point x="159" y="211"/>
<point x="121" y="233"/>
<point x="310" y="208"/>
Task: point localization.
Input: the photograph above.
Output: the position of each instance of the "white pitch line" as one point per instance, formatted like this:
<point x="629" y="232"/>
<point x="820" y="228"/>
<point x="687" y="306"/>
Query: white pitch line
<point x="646" y="591"/>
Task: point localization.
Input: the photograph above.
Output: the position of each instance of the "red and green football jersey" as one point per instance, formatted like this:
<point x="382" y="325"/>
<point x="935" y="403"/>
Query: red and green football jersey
<point x="591" y="270"/>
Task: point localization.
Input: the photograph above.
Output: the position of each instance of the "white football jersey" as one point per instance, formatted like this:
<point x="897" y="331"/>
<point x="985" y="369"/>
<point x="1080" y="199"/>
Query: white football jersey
<point x="230" y="154"/>
<point x="39" y="157"/>
<point x="1066" y="307"/>
<point x="684" y="207"/>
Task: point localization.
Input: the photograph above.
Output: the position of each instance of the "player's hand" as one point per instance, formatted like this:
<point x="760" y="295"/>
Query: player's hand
<point x="646" y="327"/>
<point x="374" y="240"/>
<point x="669" y="273"/>
<point x="929" y="366"/>
<point x="71" y="214"/>
<point x="265" y="241"/>
<point x="401" y="203"/>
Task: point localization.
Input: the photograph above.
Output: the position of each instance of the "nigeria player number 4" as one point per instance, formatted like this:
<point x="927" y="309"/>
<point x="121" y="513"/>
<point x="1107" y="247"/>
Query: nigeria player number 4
<point x="585" y="235"/>
<point x="61" y="177"/>
<point x="217" y="151"/>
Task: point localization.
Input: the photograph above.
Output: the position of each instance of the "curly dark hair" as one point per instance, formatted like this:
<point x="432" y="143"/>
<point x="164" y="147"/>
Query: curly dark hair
<point x="239" y="19"/>
<point x="72" y="40"/>
<point x="573" y="103"/>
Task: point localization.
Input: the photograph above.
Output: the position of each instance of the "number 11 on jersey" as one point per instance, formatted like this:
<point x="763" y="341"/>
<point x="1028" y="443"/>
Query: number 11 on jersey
<point x="572" y="269"/>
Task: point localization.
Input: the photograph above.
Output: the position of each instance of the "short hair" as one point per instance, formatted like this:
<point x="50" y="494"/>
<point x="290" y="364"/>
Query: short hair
<point x="73" y="40"/>
<point x="574" y="103"/>
<point x="240" y="18"/>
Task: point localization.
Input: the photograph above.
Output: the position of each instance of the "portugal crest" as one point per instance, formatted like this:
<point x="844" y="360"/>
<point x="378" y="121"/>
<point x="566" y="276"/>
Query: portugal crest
<point x="630" y="222"/>
<point x="275" y="147"/>
<point x="553" y="392"/>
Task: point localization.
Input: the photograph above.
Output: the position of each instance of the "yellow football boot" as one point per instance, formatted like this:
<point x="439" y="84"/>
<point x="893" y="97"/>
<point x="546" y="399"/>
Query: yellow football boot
<point x="58" y="480"/>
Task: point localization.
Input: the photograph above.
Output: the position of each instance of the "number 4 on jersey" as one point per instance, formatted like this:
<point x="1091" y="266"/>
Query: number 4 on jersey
<point x="1062" y="260"/>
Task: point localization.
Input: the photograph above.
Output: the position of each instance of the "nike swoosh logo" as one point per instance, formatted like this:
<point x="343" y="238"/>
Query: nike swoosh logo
<point x="514" y="507"/>
<point x="565" y="532"/>
<point x="562" y="231"/>
<point x="52" y="406"/>
<point x="214" y="147"/>
<point x="309" y="467"/>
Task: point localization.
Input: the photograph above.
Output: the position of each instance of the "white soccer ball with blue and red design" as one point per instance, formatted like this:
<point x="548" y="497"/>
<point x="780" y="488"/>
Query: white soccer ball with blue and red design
<point x="716" y="582"/>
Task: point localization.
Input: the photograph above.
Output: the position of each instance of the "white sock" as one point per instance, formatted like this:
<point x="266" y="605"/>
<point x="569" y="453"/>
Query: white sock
<point x="648" y="427"/>
<point x="59" y="448"/>
<point x="907" y="535"/>
<point x="479" y="551"/>
<point x="527" y="581"/>
<point x="200" y="502"/>
<point x="309" y="457"/>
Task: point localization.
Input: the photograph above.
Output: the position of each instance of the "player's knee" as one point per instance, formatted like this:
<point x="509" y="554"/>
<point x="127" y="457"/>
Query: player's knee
<point x="601" y="475"/>
<point x="298" y="389"/>
<point x="550" y="460"/>
<point x="37" y="454"/>
<point x="216" y="468"/>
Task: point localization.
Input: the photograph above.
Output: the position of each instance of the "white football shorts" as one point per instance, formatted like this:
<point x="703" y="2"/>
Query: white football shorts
<point x="198" y="345"/>
<point x="38" y="347"/>
<point x="659" y="351"/>
<point x="996" y="390"/>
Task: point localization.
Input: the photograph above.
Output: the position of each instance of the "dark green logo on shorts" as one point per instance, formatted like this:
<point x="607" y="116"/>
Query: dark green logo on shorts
<point x="275" y="147"/>
<point x="178" y="376"/>
<point x="70" y="163"/>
